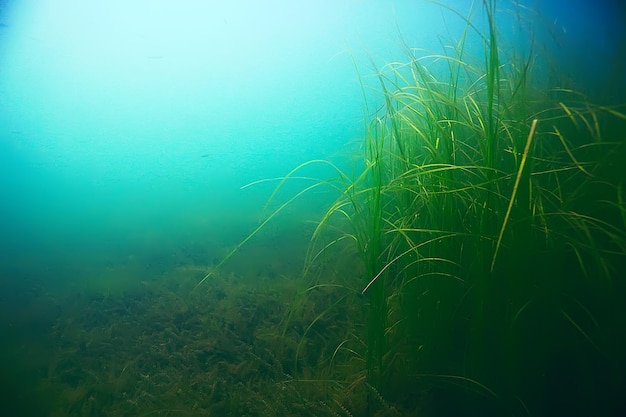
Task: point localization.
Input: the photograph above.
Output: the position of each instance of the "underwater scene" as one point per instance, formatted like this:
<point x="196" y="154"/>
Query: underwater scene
<point x="346" y="208"/>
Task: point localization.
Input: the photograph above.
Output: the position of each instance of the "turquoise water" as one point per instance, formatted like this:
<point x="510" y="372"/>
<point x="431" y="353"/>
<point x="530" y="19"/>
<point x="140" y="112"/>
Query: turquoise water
<point x="121" y="124"/>
<point x="127" y="131"/>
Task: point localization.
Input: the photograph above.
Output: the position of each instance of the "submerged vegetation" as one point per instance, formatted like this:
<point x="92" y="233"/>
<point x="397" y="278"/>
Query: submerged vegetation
<point x="489" y="225"/>
<point x="162" y="349"/>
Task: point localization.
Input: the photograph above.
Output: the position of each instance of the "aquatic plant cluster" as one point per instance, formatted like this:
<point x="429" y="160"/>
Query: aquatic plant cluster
<point x="490" y="224"/>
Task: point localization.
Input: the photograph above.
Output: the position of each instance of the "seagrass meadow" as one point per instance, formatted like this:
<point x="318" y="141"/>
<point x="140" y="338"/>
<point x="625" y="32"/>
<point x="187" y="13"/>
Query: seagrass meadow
<point x="456" y="249"/>
<point x="489" y="222"/>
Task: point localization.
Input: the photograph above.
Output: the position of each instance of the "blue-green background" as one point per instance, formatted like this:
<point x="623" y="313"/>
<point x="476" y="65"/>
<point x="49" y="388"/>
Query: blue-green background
<point x="127" y="127"/>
